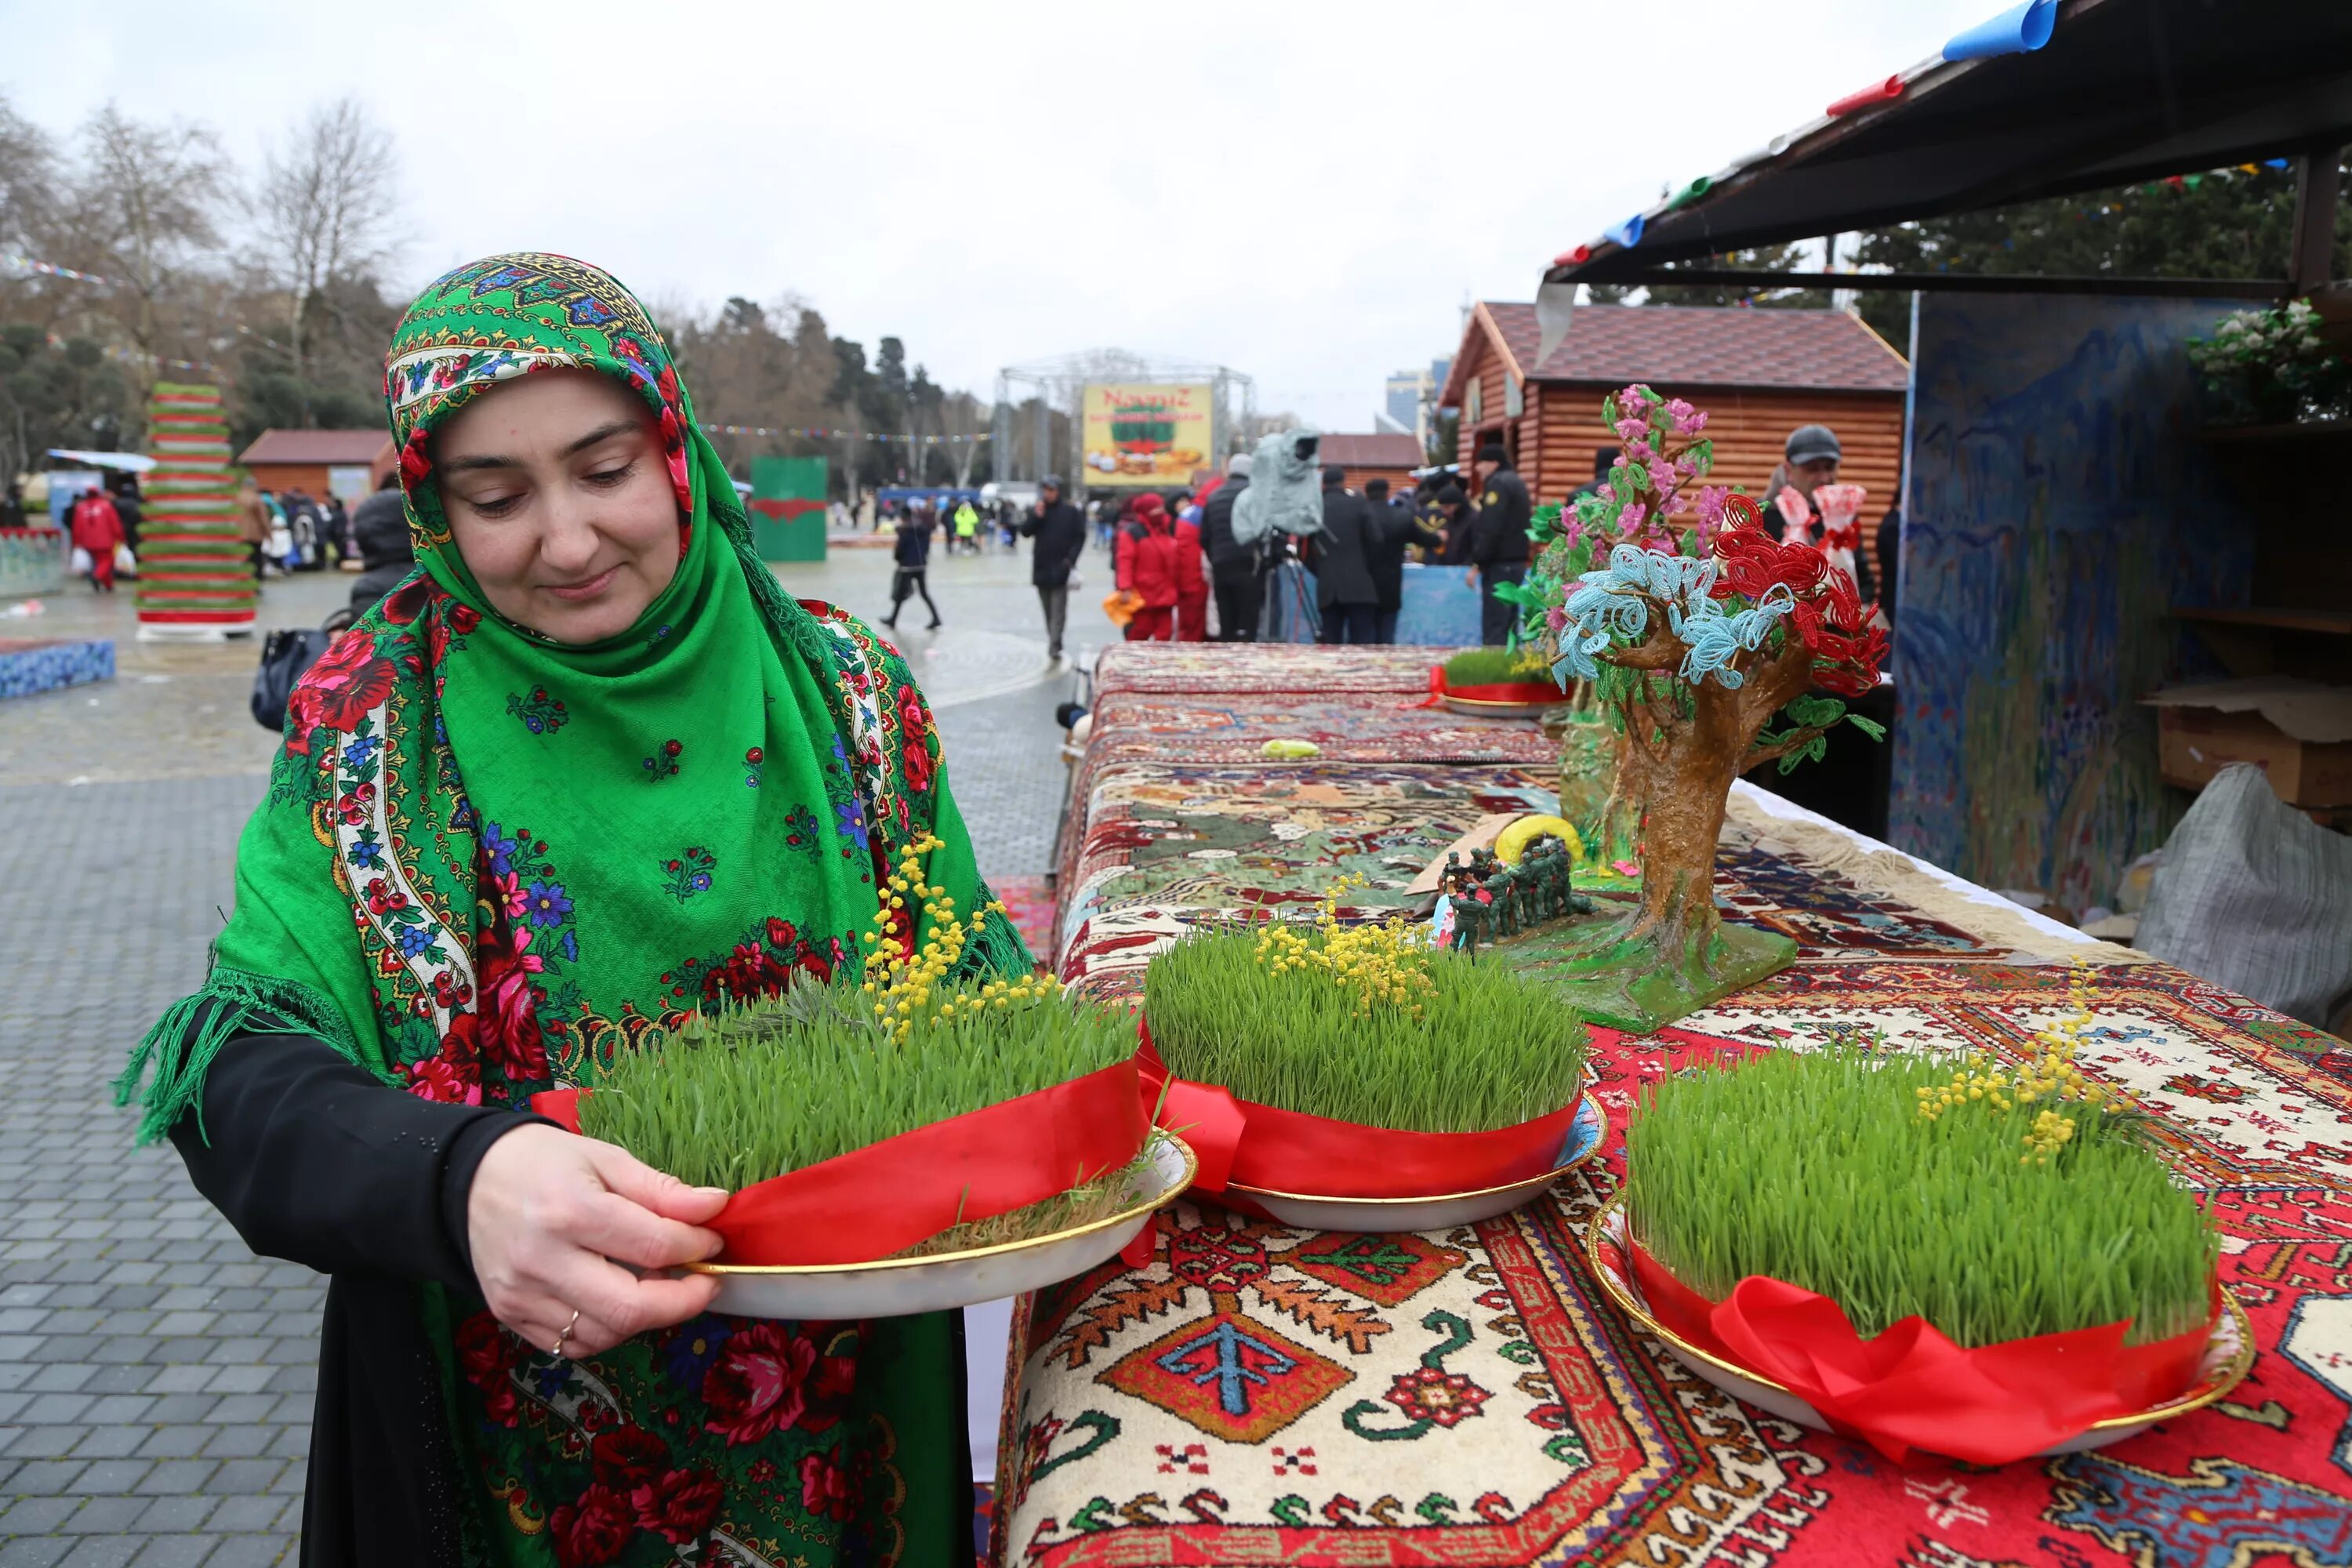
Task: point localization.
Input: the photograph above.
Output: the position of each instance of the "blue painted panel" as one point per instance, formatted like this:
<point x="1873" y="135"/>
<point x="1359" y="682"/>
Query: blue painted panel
<point x="2058" y="504"/>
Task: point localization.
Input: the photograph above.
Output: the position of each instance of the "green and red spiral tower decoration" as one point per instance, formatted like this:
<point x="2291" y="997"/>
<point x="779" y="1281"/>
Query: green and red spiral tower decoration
<point x="196" y="572"/>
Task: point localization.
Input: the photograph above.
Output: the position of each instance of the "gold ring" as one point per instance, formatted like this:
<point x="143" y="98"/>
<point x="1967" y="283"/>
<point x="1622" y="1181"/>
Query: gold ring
<point x="566" y="1334"/>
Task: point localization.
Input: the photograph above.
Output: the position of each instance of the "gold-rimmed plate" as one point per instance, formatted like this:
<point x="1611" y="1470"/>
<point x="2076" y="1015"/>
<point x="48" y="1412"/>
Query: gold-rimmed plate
<point x="2228" y="1355"/>
<point x="895" y="1287"/>
<point x="1586" y="1133"/>
<point x="1485" y="707"/>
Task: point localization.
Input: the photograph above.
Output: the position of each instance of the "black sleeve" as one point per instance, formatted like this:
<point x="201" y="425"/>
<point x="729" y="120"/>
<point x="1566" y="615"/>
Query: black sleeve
<point x="313" y="1160"/>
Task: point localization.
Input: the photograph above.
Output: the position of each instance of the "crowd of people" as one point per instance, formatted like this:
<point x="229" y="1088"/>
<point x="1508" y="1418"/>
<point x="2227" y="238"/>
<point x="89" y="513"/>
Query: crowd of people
<point x="1176" y="555"/>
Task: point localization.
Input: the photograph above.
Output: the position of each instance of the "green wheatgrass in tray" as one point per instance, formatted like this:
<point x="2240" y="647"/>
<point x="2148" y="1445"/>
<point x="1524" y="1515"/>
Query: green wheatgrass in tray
<point x="1363" y="1023"/>
<point x="743" y="1094"/>
<point x="1996" y="1206"/>
<point x="1496" y="667"/>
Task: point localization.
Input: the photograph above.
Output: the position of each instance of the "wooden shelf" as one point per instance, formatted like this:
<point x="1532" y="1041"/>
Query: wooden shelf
<point x="2303" y="430"/>
<point x="2325" y="623"/>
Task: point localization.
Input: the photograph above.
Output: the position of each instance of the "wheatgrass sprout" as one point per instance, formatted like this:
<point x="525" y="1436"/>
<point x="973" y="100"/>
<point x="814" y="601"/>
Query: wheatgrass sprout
<point x="746" y="1094"/>
<point x="1363" y="1023"/>
<point x="1821" y="1170"/>
<point x="1496" y="666"/>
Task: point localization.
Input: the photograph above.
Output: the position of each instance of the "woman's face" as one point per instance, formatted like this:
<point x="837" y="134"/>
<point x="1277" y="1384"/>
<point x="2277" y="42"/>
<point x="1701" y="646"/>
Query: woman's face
<point x="560" y="500"/>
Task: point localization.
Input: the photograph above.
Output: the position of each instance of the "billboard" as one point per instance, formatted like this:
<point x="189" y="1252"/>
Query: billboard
<point x="1145" y="435"/>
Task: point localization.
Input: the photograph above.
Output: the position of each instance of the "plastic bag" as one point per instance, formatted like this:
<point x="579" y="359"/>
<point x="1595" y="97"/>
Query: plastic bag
<point x="80" y="563"/>
<point x="125" y="563"/>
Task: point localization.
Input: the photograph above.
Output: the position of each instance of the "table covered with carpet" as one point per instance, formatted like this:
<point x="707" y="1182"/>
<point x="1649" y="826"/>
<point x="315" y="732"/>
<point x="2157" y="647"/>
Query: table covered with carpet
<point x="1261" y="1393"/>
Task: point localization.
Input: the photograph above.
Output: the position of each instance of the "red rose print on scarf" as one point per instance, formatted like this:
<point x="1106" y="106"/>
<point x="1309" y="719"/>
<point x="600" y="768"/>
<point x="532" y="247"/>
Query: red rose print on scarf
<point x="511" y="1036"/>
<point x="627" y="1457"/>
<point x="487" y="1354"/>
<point x="769" y="1379"/>
<point x="828" y="1489"/>
<point x="338" y="691"/>
<point x="679" y="1504"/>
<point x="594" y="1530"/>
<point x="915" y="748"/>
<point x="455" y="1077"/>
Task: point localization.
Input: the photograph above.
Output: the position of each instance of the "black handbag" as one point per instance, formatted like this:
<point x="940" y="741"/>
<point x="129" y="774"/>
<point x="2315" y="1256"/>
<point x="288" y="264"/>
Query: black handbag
<point x="286" y="653"/>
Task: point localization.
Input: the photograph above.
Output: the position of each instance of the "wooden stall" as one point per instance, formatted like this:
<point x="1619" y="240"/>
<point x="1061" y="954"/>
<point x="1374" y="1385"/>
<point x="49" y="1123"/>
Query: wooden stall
<point x="1390" y="455"/>
<point x="314" y="461"/>
<point x="1759" y="374"/>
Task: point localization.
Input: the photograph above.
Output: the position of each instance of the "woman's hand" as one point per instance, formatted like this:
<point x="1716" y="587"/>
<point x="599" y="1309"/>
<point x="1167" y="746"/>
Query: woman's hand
<point x="551" y="1218"/>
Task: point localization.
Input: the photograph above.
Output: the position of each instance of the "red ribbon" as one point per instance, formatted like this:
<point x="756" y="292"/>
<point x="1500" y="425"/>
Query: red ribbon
<point x="1239" y="1141"/>
<point x="884" y="1198"/>
<point x="1913" y="1388"/>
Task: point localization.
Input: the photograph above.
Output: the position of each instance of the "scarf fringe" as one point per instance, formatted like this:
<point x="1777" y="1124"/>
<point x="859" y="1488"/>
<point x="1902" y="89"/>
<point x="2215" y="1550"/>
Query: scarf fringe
<point x="997" y="949"/>
<point x="192" y="1031"/>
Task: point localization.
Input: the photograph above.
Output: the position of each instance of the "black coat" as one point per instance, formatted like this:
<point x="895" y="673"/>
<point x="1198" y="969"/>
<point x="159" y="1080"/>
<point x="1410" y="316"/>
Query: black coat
<point x="1392" y="529"/>
<point x="1343" y="552"/>
<point x="1061" y="535"/>
<point x="380" y="524"/>
<point x="913" y="550"/>
<point x="1498" y="537"/>
<point x="1217" y="529"/>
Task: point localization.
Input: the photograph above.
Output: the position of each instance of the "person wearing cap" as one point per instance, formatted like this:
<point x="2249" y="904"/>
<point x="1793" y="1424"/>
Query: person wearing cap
<point x="1810" y="460"/>
<point x="1499" y="540"/>
<point x="1394" y="528"/>
<point x="1341" y="558"/>
<point x="1061" y="538"/>
<point x="1235" y="575"/>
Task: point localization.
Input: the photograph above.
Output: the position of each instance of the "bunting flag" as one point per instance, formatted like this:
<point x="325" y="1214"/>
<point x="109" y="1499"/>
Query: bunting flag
<point x="195" y="570"/>
<point x="840" y="435"/>
<point x="50" y="269"/>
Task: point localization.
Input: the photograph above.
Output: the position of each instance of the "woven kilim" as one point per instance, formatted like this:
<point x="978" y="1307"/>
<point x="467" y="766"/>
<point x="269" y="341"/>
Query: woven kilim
<point x="195" y="570"/>
<point x="1263" y="1394"/>
<point x="1166" y="846"/>
<point x="1166" y="666"/>
<point x="1169" y="846"/>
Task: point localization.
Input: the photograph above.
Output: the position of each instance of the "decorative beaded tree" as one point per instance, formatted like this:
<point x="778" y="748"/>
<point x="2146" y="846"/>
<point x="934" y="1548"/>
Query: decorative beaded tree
<point x="1690" y="638"/>
<point x="196" y="572"/>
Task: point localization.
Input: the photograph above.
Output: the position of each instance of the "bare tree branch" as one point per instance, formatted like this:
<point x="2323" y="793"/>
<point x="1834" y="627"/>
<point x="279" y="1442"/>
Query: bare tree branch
<point x="325" y="204"/>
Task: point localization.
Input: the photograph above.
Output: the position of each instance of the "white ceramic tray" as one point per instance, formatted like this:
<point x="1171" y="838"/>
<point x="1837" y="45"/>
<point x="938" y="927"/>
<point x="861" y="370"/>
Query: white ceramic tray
<point x="1436" y="1213"/>
<point x="897" y="1286"/>
<point x="2228" y="1355"/>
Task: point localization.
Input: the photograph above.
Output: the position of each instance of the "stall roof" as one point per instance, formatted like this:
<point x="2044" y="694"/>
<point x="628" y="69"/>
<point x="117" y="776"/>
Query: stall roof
<point x="2124" y="90"/>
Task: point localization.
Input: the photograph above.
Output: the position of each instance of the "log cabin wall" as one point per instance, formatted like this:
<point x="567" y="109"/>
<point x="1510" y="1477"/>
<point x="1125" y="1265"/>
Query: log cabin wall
<point x="1750" y="429"/>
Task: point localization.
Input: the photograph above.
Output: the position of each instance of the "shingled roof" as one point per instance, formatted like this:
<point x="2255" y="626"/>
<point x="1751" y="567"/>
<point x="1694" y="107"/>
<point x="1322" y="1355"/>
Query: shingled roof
<point x="333" y="446"/>
<point x="1383" y="450"/>
<point x="1689" y="346"/>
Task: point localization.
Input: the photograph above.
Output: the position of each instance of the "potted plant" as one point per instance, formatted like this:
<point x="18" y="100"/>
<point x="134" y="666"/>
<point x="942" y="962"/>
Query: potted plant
<point x="1358" y="1067"/>
<point x="900" y="1115"/>
<point x="1496" y="680"/>
<point x="1979" y="1259"/>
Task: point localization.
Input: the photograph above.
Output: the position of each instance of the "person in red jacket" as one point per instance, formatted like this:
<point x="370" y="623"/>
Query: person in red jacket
<point x="98" y="528"/>
<point x="1191" y="583"/>
<point x="1147" y="567"/>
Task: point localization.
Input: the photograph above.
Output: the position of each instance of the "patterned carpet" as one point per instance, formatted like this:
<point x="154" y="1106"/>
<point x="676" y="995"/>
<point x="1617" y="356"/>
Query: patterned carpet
<point x="1265" y="1395"/>
<point x="1261" y="667"/>
<point x="1260" y="1394"/>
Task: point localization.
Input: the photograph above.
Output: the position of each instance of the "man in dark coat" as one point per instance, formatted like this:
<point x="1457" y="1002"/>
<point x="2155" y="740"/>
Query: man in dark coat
<point x="1061" y="534"/>
<point x="1394" y="527"/>
<point x="1499" y="540"/>
<point x="1341" y="558"/>
<point x="1235" y="575"/>
<point x="380" y="525"/>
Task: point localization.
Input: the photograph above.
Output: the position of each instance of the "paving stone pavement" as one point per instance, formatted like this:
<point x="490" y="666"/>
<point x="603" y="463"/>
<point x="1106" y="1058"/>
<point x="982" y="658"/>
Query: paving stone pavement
<point x="155" y="1377"/>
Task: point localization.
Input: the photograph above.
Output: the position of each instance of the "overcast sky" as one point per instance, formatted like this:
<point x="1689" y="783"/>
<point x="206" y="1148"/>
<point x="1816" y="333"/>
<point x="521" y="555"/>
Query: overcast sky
<point x="1306" y="193"/>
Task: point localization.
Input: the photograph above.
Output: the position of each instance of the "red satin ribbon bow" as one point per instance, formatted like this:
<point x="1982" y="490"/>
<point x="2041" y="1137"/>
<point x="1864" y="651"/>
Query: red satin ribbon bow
<point x="1913" y="1388"/>
<point x="1238" y="1141"/>
<point x="884" y="1198"/>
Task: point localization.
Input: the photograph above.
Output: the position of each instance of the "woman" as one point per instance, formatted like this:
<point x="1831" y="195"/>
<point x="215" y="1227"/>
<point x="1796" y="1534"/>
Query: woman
<point x="1147" y="564"/>
<point x="586" y="769"/>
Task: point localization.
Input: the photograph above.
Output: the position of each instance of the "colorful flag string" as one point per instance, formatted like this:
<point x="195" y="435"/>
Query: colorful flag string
<point x="817" y="435"/>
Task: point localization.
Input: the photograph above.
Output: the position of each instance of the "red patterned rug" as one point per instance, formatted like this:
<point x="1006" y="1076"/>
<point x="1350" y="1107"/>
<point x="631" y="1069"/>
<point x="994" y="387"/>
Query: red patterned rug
<point x="1262" y="1393"/>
